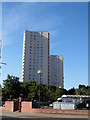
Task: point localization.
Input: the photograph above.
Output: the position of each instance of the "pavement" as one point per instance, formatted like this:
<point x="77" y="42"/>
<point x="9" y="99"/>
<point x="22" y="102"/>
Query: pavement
<point x="7" y="115"/>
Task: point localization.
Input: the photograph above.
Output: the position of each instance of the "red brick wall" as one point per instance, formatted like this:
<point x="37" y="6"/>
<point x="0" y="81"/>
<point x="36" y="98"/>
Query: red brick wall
<point x="75" y="112"/>
<point x="9" y="105"/>
<point x="26" y="106"/>
<point x="68" y="112"/>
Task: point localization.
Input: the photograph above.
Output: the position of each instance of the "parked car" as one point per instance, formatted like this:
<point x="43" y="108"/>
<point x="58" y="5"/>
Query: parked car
<point x="83" y="104"/>
<point x="51" y="105"/>
<point x="37" y="104"/>
<point x="58" y="100"/>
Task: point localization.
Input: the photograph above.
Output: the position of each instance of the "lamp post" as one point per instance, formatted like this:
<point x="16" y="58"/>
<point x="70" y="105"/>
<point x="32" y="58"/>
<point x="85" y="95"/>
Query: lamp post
<point x="3" y="63"/>
<point x="40" y="73"/>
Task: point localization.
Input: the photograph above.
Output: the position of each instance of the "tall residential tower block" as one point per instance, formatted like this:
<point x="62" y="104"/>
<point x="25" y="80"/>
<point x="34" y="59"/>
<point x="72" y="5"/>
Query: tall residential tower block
<point x="56" y="71"/>
<point x="35" y="56"/>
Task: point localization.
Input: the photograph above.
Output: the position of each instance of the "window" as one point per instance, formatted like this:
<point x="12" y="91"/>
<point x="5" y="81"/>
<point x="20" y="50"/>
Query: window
<point x="33" y="68"/>
<point x="41" y="65"/>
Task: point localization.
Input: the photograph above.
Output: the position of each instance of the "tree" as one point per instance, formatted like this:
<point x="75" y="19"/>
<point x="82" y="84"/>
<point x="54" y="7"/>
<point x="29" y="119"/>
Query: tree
<point x="24" y="89"/>
<point x="88" y="90"/>
<point x="58" y="93"/>
<point x="82" y="90"/>
<point x="46" y="94"/>
<point x="32" y="91"/>
<point x="71" y="91"/>
<point x="11" y="88"/>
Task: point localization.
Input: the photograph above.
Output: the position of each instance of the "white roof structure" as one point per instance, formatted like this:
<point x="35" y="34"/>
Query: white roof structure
<point x="75" y="96"/>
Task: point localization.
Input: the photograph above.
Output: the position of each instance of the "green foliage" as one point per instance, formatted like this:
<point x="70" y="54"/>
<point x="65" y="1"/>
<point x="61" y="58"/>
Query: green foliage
<point x="11" y="87"/>
<point x="83" y="90"/>
<point x="59" y="93"/>
<point x="31" y="90"/>
<point x="71" y="91"/>
<point x="24" y="89"/>
<point x="88" y="91"/>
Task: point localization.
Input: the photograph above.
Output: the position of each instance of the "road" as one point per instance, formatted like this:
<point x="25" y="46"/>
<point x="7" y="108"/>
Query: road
<point x="6" y="115"/>
<point x="11" y="118"/>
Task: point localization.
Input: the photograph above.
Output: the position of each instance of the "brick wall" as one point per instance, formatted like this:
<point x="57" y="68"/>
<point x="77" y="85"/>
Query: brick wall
<point x="67" y="112"/>
<point x="9" y="105"/>
<point x="26" y="106"/>
<point x="74" y="112"/>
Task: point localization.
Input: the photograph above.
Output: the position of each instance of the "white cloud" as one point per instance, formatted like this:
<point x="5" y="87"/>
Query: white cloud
<point x="6" y="40"/>
<point x="26" y="18"/>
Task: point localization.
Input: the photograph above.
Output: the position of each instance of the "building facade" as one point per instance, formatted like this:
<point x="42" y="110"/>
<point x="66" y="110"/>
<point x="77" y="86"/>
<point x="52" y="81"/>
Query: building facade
<point x="56" y="70"/>
<point x="35" y="56"/>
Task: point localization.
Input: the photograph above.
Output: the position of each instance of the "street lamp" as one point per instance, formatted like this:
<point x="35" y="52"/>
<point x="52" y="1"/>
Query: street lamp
<point x="3" y="63"/>
<point x="40" y="73"/>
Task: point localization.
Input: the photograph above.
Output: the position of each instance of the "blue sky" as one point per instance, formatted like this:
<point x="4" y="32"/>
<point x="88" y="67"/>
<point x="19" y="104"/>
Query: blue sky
<point x="67" y="24"/>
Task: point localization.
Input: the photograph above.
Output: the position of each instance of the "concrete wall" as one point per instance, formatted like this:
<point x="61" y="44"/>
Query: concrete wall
<point x="63" y="105"/>
<point x="56" y="105"/>
<point x="67" y="106"/>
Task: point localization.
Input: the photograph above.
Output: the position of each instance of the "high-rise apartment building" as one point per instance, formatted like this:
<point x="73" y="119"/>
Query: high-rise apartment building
<point x="56" y="70"/>
<point x="35" y="56"/>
